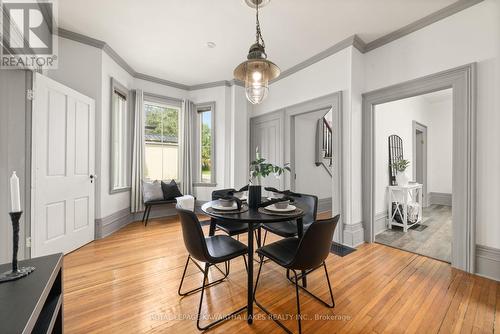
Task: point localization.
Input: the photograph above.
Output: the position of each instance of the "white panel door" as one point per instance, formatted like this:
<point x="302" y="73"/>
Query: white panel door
<point x="62" y="168"/>
<point x="267" y="134"/>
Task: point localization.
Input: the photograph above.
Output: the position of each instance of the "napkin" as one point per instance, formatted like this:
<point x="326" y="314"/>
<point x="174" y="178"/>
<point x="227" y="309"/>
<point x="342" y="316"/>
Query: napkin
<point x="285" y="192"/>
<point x="275" y="200"/>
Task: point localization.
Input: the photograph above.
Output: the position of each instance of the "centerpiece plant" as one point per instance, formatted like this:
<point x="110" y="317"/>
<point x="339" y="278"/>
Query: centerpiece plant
<point x="259" y="169"/>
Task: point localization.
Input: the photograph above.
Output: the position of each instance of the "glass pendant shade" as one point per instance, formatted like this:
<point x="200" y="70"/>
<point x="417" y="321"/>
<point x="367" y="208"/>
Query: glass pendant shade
<point x="256" y="72"/>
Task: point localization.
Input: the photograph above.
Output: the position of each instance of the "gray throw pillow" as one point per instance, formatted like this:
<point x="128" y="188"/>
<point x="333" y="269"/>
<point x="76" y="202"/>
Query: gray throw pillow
<point x="152" y="191"/>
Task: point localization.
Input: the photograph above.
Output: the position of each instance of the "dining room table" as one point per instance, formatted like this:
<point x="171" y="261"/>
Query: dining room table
<point x="253" y="217"/>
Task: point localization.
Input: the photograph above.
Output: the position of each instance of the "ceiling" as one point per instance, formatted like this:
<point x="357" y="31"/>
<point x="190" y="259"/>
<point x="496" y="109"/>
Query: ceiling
<point x="168" y="38"/>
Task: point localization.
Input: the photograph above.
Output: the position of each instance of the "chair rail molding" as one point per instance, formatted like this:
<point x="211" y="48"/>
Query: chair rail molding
<point x="463" y="82"/>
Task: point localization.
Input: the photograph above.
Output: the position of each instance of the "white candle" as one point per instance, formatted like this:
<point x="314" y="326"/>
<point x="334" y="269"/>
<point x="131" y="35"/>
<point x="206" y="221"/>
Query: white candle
<point x="15" y="197"/>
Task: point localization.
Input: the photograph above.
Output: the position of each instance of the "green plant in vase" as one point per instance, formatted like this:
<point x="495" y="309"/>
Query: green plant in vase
<point x="400" y="167"/>
<point x="259" y="169"/>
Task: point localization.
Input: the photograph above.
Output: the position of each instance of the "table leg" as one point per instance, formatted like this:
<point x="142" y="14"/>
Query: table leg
<point x="300" y="233"/>
<point x="250" y="274"/>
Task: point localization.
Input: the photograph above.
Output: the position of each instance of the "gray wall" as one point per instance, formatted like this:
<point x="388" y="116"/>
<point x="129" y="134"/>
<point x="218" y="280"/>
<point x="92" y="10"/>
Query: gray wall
<point x="14" y="116"/>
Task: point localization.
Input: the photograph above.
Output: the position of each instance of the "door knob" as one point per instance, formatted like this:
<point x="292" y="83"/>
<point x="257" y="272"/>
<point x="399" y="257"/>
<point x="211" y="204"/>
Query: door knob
<point x="92" y="177"/>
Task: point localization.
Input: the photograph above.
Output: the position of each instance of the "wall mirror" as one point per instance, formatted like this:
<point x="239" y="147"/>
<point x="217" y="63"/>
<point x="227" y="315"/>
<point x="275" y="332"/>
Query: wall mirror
<point x="395" y="154"/>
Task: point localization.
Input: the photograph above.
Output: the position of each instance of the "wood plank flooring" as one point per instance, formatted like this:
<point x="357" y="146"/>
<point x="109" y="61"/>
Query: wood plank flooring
<point x="433" y="241"/>
<point x="127" y="283"/>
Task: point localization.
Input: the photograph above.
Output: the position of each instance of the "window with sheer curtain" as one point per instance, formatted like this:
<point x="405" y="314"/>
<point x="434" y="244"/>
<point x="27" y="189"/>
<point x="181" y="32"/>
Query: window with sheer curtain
<point x="161" y="152"/>
<point x="204" y="143"/>
<point x="121" y="134"/>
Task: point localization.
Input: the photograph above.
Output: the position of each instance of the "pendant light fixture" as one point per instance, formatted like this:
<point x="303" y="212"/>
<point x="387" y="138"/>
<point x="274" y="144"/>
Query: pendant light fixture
<point x="257" y="71"/>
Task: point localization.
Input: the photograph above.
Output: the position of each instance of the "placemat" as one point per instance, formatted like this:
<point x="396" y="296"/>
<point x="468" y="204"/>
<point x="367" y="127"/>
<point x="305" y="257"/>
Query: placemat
<point x="295" y="212"/>
<point x="244" y="208"/>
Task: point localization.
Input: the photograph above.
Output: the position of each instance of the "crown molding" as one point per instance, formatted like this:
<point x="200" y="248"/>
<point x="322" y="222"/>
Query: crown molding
<point x="421" y="23"/>
<point x="160" y="81"/>
<point x="354" y="41"/>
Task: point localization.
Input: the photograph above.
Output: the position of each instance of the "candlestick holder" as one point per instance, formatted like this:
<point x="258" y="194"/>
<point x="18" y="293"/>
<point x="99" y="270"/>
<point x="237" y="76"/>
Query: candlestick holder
<point x="15" y="273"/>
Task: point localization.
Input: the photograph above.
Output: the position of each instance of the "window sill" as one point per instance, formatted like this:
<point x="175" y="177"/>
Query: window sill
<point x="200" y="184"/>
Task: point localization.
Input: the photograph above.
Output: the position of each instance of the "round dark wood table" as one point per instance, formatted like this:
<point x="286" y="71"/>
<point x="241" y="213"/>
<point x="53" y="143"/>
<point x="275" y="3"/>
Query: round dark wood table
<point x="252" y="217"/>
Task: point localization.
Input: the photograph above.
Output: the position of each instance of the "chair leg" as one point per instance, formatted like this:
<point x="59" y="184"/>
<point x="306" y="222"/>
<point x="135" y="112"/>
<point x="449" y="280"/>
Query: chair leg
<point x="187" y="293"/>
<point x="212" y="324"/>
<point x="246" y="265"/>
<point x="332" y="305"/>
<point x="147" y="216"/>
<point x="259" y="237"/>
<point x="263" y="244"/>
<point x="264" y="241"/>
<point x="272" y="316"/>
<point x="295" y="281"/>
<point x="144" y="214"/>
<point x="299" y="317"/>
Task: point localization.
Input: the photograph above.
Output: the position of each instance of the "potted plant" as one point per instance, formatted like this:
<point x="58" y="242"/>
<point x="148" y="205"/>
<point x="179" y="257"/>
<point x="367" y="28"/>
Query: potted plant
<point x="400" y="166"/>
<point x="259" y="169"/>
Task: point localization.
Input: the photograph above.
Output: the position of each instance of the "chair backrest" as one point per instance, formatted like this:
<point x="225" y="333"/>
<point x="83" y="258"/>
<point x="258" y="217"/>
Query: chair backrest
<point x="216" y="194"/>
<point x="194" y="239"/>
<point x="308" y="203"/>
<point x="315" y="245"/>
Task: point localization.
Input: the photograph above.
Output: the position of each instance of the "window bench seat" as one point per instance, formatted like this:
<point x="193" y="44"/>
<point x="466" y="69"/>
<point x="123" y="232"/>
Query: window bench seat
<point x="150" y="204"/>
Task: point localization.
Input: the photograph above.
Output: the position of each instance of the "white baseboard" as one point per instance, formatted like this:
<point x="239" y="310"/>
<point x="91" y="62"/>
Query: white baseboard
<point x="116" y="221"/>
<point x="488" y="262"/>
<point x="354" y="234"/>
<point x="380" y="222"/>
<point x="112" y="223"/>
<point x="440" y="198"/>
<point x="325" y="204"/>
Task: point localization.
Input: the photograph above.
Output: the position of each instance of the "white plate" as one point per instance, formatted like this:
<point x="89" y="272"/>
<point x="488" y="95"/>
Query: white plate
<point x="225" y="208"/>
<point x="275" y="209"/>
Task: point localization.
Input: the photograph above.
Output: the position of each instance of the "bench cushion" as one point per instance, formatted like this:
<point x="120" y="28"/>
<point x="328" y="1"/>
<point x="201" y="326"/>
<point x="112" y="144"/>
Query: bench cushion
<point x="152" y="191"/>
<point x="170" y="190"/>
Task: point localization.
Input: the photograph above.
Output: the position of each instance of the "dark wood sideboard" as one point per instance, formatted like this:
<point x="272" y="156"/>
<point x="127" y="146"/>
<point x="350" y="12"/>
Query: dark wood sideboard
<point x="33" y="304"/>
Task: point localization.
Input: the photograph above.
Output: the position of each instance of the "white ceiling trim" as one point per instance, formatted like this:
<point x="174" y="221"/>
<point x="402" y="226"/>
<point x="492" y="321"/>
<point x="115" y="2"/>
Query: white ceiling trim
<point x="354" y="41"/>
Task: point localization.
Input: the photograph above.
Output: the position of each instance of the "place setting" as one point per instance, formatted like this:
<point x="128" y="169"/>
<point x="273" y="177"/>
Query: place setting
<point x="231" y="202"/>
<point x="280" y="203"/>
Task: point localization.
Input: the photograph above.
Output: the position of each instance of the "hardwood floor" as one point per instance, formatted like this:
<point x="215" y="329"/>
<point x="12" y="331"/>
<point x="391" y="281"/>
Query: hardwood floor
<point x="127" y="283"/>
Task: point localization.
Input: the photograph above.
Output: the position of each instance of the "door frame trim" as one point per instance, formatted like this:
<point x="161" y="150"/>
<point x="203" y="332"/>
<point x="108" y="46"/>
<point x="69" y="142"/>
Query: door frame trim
<point x="462" y="80"/>
<point x="422" y="128"/>
<point x="333" y="100"/>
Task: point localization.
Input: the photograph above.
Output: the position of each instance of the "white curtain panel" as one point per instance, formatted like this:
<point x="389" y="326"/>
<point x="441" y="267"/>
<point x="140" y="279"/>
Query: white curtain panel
<point x="136" y="204"/>
<point x="187" y="149"/>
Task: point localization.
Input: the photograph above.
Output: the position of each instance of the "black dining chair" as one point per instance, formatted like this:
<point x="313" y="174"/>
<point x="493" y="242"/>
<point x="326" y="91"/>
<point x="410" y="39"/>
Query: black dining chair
<point x="306" y="254"/>
<point x="287" y="229"/>
<point x="212" y="250"/>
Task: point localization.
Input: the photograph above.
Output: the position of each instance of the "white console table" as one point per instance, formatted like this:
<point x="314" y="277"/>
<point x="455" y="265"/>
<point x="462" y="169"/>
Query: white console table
<point x="404" y="195"/>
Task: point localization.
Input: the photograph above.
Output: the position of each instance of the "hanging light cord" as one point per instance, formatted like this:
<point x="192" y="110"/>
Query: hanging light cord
<point x="258" y="34"/>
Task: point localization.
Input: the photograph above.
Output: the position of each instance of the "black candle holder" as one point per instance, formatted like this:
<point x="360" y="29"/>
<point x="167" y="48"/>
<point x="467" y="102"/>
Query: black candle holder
<point x="15" y="273"/>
